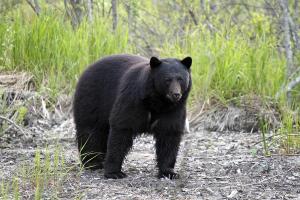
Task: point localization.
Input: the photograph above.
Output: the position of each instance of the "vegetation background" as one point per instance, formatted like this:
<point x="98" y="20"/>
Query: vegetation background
<point x="245" y="52"/>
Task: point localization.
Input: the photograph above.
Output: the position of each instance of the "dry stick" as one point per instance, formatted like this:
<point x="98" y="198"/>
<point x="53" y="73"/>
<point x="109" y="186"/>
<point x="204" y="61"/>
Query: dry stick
<point x="191" y="13"/>
<point x="35" y="9"/>
<point x="194" y="118"/>
<point x="193" y="17"/>
<point x="31" y="5"/>
<point x="15" y="125"/>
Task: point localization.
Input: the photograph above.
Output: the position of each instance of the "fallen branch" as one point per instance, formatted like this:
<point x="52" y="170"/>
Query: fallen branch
<point x="36" y="8"/>
<point x="15" y="125"/>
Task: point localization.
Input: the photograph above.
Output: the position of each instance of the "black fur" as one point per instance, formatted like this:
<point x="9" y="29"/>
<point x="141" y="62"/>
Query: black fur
<point x="122" y="96"/>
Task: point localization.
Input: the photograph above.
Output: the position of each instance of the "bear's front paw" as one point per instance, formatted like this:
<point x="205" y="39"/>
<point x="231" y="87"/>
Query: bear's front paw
<point x="168" y="174"/>
<point x="115" y="175"/>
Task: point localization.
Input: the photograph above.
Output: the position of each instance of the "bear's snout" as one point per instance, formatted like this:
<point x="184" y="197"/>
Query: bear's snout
<point x="174" y="93"/>
<point x="176" y="96"/>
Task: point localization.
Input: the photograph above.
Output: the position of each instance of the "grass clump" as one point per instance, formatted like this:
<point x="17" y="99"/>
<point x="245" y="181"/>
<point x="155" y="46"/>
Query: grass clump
<point x="44" y="176"/>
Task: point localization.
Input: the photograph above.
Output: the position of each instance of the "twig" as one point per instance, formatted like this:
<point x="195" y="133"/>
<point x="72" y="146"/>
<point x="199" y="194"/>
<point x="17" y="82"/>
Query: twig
<point x="31" y="5"/>
<point x="35" y="9"/>
<point x="193" y="17"/>
<point x="194" y="118"/>
<point x="191" y="13"/>
<point x="15" y="125"/>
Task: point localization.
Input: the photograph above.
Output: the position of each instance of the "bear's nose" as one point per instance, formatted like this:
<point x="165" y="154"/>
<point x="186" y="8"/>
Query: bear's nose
<point x="176" y="96"/>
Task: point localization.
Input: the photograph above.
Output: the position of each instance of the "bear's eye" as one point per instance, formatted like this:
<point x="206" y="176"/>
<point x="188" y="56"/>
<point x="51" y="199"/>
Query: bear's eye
<point x="168" y="80"/>
<point x="179" y="79"/>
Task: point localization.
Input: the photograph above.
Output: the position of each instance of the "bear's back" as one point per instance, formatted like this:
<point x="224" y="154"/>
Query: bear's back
<point x="98" y="86"/>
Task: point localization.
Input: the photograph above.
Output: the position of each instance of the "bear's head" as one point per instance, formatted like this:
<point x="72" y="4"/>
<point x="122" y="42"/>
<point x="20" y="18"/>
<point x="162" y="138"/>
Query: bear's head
<point x="171" y="77"/>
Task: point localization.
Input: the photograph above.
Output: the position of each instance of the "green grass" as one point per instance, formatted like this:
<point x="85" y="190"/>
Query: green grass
<point x="45" y="174"/>
<point x="226" y="64"/>
<point x="49" y="48"/>
<point x="230" y="66"/>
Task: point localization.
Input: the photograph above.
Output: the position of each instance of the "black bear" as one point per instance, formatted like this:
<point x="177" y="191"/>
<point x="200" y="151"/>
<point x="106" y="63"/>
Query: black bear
<point x="121" y="96"/>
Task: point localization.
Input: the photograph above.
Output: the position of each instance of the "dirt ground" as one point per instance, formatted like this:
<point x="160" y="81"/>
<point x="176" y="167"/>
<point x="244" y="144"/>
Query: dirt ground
<point x="212" y="165"/>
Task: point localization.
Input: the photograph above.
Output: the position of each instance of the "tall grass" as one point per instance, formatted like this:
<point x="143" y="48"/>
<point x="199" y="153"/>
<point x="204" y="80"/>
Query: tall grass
<point x="231" y="65"/>
<point x="226" y="64"/>
<point x="53" y="51"/>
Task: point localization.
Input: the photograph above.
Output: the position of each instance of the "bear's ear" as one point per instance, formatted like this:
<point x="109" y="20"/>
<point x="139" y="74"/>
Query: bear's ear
<point x="187" y="62"/>
<point x="154" y="62"/>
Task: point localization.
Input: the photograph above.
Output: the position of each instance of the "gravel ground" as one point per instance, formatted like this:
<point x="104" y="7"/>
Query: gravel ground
<point x="212" y="165"/>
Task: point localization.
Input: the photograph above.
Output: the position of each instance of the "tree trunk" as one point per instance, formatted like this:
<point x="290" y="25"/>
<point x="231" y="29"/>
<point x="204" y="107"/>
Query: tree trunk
<point x="202" y="5"/>
<point x="287" y="44"/>
<point x="128" y="6"/>
<point x="77" y="10"/>
<point x="103" y="8"/>
<point x="114" y="13"/>
<point x="90" y="10"/>
<point x="296" y="9"/>
<point x="287" y="38"/>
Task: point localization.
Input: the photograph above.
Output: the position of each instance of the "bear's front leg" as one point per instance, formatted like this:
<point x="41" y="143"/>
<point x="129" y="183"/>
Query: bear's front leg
<point x="167" y="146"/>
<point x="119" y="143"/>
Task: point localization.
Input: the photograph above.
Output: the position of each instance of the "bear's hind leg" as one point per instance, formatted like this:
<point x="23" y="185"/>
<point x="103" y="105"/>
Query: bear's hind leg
<point x="92" y="146"/>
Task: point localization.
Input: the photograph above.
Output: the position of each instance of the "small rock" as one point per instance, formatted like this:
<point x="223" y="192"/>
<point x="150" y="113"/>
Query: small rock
<point x="232" y="194"/>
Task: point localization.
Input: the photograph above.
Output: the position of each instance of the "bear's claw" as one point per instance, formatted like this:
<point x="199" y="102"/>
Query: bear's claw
<point x="169" y="175"/>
